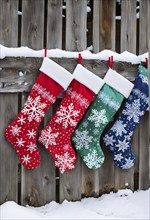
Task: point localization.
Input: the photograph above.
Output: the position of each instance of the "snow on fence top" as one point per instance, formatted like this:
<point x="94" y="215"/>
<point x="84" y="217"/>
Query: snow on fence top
<point x="58" y="53"/>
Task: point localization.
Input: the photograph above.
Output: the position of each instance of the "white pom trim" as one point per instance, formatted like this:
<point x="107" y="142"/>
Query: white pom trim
<point x="88" y="78"/>
<point x="118" y="82"/>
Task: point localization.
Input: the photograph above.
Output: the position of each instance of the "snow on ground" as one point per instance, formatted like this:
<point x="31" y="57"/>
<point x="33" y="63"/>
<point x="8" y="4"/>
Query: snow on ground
<point x="121" y="205"/>
<point x="86" y="54"/>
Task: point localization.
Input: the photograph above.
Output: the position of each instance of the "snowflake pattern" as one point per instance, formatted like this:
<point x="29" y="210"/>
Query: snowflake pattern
<point x="64" y="162"/>
<point x="144" y="78"/>
<point x="82" y="139"/>
<point x="140" y="95"/>
<point x="98" y="117"/>
<point x="66" y="147"/>
<point x="67" y="116"/>
<point x="108" y="100"/>
<point x="96" y="131"/>
<point x="21" y="120"/>
<point x="44" y="93"/>
<point x="122" y="145"/>
<point x="129" y="163"/>
<point x="15" y="130"/>
<point x="109" y="141"/>
<point x="31" y="133"/>
<point x="133" y="111"/>
<point x="20" y="142"/>
<point x="119" y="128"/>
<point x="80" y="99"/>
<point x="118" y="157"/>
<point x="85" y="124"/>
<point x="34" y="109"/>
<point x="31" y="147"/>
<point x="92" y="160"/>
<point x="26" y="159"/>
<point x="48" y="137"/>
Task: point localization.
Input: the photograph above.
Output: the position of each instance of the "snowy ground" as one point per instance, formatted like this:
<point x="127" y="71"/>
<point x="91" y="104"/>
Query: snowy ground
<point x="121" y="205"/>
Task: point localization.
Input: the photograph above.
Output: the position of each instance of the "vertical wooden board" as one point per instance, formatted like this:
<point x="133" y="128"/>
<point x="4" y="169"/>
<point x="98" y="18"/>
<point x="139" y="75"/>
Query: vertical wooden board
<point x="124" y="178"/>
<point x="106" y="173"/>
<point x="96" y="27"/>
<point x="32" y="29"/>
<point x="135" y="150"/>
<point x="144" y="23"/>
<point x="144" y="153"/>
<point x="54" y="24"/>
<point x="76" y="25"/>
<point x="9" y="22"/>
<point x="90" y="182"/>
<point x="38" y="186"/>
<point x="8" y="106"/>
<point x="8" y="155"/>
<point x="128" y="26"/>
<point x="70" y="183"/>
<point x="107" y="24"/>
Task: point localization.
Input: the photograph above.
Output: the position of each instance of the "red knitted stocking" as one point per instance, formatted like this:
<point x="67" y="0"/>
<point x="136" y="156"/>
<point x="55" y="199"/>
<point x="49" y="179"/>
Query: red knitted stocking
<point x="21" y="133"/>
<point x="56" y="136"/>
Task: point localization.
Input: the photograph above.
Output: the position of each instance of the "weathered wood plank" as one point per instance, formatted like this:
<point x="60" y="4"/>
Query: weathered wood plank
<point x="144" y="139"/>
<point x="32" y="29"/>
<point x="124" y="178"/>
<point x="128" y="26"/>
<point x="70" y="184"/>
<point x="8" y="22"/>
<point x="90" y="182"/>
<point x="143" y="26"/>
<point x="19" y="74"/>
<point x="8" y="156"/>
<point x="8" y="107"/>
<point x="96" y="26"/>
<point x="135" y="149"/>
<point x="107" y="24"/>
<point x="144" y="182"/>
<point x="76" y="25"/>
<point x="106" y="173"/>
<point x="54" y="24"/>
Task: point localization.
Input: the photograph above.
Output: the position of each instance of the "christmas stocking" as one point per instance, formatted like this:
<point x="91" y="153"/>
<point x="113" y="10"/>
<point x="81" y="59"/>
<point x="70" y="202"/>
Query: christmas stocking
<point x="86" y="137"/>
<point x="118" y="138"/>
<point x="21" y="133"/>
<point x="56" y="136"/>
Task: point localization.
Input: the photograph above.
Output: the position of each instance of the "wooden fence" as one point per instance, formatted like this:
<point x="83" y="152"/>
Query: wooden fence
<point x="43" y="23"/>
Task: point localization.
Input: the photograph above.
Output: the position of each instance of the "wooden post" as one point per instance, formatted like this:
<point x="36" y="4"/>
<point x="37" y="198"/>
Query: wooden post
<point x="107" y="24"/>
<point x="128" y="26"/>
<point x="144" y="124"/>
<point x="8" y="107"/>
<point x="76" y="25"/>
<point x="54" y="24"/>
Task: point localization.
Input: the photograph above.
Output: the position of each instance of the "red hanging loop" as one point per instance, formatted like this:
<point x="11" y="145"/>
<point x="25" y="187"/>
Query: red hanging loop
<point x="79" y="58"/>
<point x="146" y="60"/>
<point x="110" y="61"/>
<point x="45" y="52"/>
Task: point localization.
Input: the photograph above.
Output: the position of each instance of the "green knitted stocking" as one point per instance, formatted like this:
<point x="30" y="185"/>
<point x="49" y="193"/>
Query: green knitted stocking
<point x="86" y="138"/>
